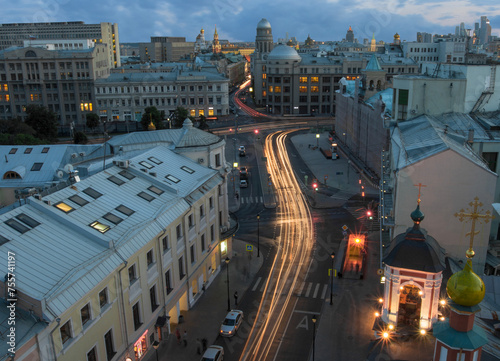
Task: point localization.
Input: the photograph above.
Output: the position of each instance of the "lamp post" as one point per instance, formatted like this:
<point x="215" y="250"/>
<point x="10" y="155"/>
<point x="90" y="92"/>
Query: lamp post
<point x="314" y="333"/>
<point x="317" y="140"/>
<point x="155" y="345"/>
<point x="258" y="235"/>
<point x="227" y="280"/>
<point x="331" y="286"/>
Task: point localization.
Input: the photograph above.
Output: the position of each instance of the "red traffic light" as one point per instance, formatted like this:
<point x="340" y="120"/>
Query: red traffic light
<point x="256" y="131"/>
<point x="315" y="185"/>
<point x="368" y="213"/>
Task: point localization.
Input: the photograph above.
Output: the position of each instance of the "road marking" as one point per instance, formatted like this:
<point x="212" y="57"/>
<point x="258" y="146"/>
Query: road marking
<point x="256" y="284"/>
<point x="316" y="291"/>
<point x="256" y="199"/>
<point x="308" y="289"/>
<point x="306" y="312"/>
<point x="323" y="294"/>
<point x="261" y="200"/>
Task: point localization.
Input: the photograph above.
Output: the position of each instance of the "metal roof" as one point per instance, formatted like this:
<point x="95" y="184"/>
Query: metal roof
<point x="63" y="257"/>
<point x="421" y="137"/>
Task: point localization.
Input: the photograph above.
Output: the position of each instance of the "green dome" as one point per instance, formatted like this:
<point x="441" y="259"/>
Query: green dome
<point x="465" y="287"/>
<point x="417" y="215"/>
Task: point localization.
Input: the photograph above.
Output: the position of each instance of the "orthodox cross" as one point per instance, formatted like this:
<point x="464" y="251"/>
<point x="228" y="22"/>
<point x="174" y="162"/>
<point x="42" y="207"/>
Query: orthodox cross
<point x="420" y="185"/>
<point x="474" y="216"/>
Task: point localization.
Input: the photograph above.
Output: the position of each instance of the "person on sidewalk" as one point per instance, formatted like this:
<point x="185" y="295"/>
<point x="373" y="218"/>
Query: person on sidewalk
<point x="198" y="346"/>
<point x="185" y="338"/>
<point x="178" y="335"/>
<point x="236" y="298"/>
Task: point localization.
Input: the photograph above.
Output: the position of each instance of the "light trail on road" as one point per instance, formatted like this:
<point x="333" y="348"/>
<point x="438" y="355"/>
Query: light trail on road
<point x="292" y="258"/>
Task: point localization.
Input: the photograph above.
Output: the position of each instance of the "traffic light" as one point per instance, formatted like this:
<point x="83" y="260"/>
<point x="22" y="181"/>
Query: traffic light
<point x="369" y="214"/>
<point x="256" y="131"/>
<point x="315" y="185"/>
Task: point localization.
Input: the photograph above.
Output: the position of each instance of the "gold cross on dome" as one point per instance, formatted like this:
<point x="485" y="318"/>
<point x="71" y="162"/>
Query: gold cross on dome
<point x="474" y="216"/>
<point x="420" y="185"/>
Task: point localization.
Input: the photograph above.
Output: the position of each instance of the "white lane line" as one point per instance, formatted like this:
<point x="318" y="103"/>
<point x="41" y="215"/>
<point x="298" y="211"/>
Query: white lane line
<point x="308" y="289"/>
<point x="316" y="291"/>
<point x="306" y="312"/>
<point x="256" y="284"/>
<point x="301" y="289"/>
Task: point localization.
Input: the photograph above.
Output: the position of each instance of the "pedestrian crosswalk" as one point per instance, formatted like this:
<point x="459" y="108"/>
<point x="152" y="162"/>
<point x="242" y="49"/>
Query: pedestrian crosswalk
<point x="304" y="289"/>
<point x="248" y="200"/>
<point x="359" y="212"/>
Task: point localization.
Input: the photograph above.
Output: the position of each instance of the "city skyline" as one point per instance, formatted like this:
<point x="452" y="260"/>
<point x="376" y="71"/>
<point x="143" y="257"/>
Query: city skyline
<point x="236" y="20"/>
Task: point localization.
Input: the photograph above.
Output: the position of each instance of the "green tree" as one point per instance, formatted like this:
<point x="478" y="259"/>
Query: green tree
<point x="203" y="123"/>
<point x="152" y="114"/>
<point x="180" y="115"/>
<point x="43" y="121"/>
<point x="92" y="121"/>
<point x="80" y="138"/>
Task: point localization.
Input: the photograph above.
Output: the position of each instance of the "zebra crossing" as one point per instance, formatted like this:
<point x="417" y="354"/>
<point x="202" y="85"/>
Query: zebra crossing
<point x="248" y="200"/>
<point x="305" y="289"/>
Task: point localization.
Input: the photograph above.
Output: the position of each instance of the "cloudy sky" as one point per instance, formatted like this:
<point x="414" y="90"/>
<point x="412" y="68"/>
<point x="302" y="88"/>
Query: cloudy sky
<point x="236" y="20"/>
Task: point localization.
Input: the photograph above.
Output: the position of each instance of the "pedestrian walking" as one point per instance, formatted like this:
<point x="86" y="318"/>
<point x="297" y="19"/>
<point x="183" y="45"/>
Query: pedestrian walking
<point x="204" y="341"/>
<point x="178" y="335"/>
<point x="185" y="338"/>
<point x="236" y="298"/>
<point x="198" y="346"/>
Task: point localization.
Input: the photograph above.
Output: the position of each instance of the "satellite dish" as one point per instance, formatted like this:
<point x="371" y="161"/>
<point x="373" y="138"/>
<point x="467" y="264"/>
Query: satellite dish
<point x="68" y="168"/>
<point x="60" y="173"/>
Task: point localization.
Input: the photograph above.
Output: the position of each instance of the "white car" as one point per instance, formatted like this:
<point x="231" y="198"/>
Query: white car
<point x="243" y="183"/>
<point x="231" y="323"/>
<point x="213" y="353"/>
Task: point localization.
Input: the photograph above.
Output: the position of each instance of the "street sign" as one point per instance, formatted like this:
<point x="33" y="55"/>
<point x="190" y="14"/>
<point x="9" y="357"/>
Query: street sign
<point x="270" y="183"/>
<point x="249" y="248"/>
<point x="344" y="233"/>
<point x="380" y="271"/>
<point x="344" y="227"/>
<point x="330" y="272"/>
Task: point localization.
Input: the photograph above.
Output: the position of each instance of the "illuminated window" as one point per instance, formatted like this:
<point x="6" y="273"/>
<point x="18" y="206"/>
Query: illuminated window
<point x="303" y="89"/>
<point x="314" y="89"/>
<point x="101" y="227"/>
<point x="193" y="112"/>
<point x="5" y="87"/>
<point x="314" y="79"/>
<point x="66" y="208"/>
<point x="264" y="93"/>
<point x="303" y="79"/>
<point x="277" y="89"/>
<point x="264" y="76"/>
<point x="270" y="89"/>
<point x="7" y="97"/>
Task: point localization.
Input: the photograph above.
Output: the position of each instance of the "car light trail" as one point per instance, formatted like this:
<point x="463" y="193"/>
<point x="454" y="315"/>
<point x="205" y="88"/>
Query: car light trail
<point x="295" y="247"/>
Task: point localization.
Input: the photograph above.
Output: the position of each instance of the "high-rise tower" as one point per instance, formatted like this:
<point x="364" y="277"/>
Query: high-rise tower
<point x="216" y="48"/>
<point x="349" y="37"/>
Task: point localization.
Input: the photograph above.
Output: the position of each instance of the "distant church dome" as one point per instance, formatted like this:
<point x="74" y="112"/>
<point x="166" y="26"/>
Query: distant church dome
<point x="396" y="36"/>
<point x="264" y="24"/>
<point x="284" y="52"/>
<point x="465" y="287"/>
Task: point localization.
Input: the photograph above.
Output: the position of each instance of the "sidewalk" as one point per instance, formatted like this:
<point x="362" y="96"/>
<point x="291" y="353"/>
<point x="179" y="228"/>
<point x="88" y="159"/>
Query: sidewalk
<point x="205" y="318"/>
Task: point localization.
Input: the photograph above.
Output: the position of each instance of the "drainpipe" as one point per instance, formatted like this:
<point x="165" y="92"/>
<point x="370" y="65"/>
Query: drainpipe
<point x="120" y="293"/>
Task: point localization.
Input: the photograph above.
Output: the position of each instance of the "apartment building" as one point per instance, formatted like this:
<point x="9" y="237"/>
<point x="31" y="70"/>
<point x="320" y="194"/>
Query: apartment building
<point x="103" y="33"/>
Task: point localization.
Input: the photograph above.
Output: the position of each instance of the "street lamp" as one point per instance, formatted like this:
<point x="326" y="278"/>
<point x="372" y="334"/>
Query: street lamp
<point x="317" y="139"/>
<point x="155" y="345"/>
<point x="314" y="333"/>
<point x="227" y="273"/>
<point x="258" y="235"/>
<point x="331" y="288"/>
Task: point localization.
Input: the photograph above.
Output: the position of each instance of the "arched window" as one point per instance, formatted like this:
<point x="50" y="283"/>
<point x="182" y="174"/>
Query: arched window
<point x="11" y="175"/>
<point x="30" y="54"/>
<point x="372" y="84"/>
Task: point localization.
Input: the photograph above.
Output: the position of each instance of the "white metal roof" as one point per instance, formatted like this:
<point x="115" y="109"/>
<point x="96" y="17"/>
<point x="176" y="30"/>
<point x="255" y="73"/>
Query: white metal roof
<point x="63" y="258"/>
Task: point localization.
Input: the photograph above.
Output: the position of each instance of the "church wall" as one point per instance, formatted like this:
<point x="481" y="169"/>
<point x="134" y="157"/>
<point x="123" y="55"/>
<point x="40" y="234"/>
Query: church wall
<point x="452" y="182"/>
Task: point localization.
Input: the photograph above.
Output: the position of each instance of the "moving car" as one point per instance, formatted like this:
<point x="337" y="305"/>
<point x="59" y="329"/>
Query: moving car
<point x="243" y="183"/>
<point x="243" y="172"/>
<point x="242" y="151"/>
<point x="213" y="353"/>
<point x="231" y="323"/>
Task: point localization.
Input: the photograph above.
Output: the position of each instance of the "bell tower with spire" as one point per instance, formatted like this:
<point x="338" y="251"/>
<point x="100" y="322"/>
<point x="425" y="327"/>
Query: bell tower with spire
<point x="458" y="338"/>
<point x="216" y="47"/>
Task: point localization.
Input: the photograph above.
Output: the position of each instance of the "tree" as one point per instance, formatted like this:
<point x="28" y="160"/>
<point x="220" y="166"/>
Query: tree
<point x="43" y="121"/>
<point x="203" y="123"/>
<point x="80" y="138"/>
<point x="92" y="121"/>
<point x="152" y="114"/>
<point x="180" y="115"/>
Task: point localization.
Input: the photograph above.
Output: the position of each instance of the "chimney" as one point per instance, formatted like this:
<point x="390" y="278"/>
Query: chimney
<point x="446" y="129"/>
<point x="470" y="136"/>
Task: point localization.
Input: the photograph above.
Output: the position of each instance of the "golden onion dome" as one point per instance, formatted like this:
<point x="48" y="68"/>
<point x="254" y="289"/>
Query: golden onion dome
<point x="202" y="31"/>
<point x="396" y="36"/>
<point x="151" y="126"/>
<point x="465" y="287"/>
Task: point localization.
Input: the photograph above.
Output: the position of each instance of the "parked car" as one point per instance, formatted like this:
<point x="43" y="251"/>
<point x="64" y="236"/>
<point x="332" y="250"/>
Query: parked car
<point x="243" y="172"/>
<point x="243" y="183"/>
<point x="213" y="353"/>
<point x="242" y="151"/>
<point x="231" y="323"/>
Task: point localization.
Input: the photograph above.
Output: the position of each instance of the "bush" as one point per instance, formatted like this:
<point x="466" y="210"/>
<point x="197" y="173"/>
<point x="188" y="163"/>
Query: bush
<point x="80" y="138"/>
